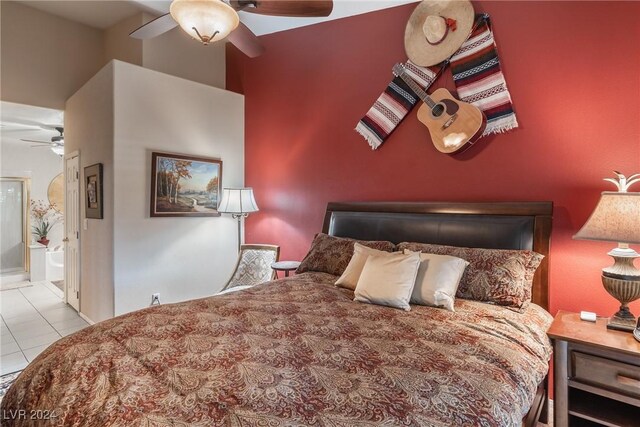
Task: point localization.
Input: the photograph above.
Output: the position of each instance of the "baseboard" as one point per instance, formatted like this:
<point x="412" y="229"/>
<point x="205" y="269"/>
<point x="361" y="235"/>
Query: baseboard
<point x="89" y="321"/>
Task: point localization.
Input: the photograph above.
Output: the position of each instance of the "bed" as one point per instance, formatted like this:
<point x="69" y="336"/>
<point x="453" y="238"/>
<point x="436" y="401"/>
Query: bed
<point x="300" y="352"/>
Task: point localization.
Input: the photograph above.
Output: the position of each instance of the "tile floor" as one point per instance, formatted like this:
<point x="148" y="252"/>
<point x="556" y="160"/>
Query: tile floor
<point x="33" y="318"/>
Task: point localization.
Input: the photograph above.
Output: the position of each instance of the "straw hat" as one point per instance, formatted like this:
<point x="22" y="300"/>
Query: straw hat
<point x="436" y="29"/>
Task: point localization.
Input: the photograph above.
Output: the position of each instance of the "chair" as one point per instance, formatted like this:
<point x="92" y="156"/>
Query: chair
<point x="253" y="266"/>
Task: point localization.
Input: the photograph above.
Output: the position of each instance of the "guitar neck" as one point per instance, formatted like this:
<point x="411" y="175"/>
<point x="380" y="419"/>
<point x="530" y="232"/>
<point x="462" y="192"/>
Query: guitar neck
<point x="417" y="89"/>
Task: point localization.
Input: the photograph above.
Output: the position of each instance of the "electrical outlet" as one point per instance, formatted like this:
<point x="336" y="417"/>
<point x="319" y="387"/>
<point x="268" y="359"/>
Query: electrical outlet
<point x="155" y="299"/>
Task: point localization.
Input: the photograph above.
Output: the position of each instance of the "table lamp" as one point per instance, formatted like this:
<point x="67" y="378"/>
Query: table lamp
<point x="616" y="218"/>
<point x="239" y="202"/>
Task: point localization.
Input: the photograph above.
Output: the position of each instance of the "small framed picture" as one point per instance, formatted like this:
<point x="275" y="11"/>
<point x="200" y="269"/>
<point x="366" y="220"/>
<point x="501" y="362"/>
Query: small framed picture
<point x="185" y="185"/>
<point x="93" y="188"/>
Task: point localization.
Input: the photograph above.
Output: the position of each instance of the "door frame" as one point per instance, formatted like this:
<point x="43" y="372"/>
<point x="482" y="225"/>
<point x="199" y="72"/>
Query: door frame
<point x="67" y="157"/>
<point x="26" y="217"/>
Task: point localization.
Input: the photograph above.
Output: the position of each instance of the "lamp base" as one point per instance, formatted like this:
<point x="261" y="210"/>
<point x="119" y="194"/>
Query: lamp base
<point x="622" y="281"/>
<point x="622" y="323"/>
<point x="625" y="325"/>
<point x="625" y="291"/>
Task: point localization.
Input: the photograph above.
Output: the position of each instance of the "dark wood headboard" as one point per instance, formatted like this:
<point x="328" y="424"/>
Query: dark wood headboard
<point x="500" y="225"/>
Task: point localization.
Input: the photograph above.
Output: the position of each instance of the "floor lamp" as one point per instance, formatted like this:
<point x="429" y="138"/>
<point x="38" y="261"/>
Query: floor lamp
<point x="239" y="202"/>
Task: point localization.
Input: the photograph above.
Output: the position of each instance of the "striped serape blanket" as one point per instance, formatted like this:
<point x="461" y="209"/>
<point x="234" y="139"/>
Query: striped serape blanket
<point x="478" y="79"/>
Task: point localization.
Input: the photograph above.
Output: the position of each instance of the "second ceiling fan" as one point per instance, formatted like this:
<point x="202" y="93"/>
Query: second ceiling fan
<point x="213" y="20"/>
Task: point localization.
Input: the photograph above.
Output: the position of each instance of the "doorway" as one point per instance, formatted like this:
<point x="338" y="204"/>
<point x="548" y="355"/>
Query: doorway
<point x="14" y="228"/>
<point x="30" y="139"/>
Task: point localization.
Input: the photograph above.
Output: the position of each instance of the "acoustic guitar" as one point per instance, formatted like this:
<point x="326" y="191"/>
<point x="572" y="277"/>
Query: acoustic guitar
<point x="454" y="125"/>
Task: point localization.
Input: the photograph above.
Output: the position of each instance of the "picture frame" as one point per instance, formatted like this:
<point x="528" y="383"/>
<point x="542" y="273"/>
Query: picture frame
<point x="93" y="191"/>
<point x="184" y="185"/>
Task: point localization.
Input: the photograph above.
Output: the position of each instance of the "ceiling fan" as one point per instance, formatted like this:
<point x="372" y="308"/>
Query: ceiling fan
<point x="213" y="20"/>
<point x="56" y="144"/>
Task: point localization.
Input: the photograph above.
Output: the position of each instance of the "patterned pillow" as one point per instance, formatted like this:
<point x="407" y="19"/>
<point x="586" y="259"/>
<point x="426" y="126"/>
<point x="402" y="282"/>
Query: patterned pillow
<point x="498" y="276"/>
<point x="331" y="254"/>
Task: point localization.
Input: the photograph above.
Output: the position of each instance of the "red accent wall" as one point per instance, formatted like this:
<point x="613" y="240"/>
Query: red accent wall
<point x="572" y="69"/>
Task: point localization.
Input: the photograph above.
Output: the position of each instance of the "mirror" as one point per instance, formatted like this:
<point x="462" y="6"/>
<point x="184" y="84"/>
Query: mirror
<point x="56" y="192"/>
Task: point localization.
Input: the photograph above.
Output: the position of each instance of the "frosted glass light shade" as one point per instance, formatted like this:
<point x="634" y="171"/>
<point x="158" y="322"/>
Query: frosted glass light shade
<point x="58" y="150"/>
<point x="616" y="218"/>
<point x="212" y="19"/>
<point x="237" y="201"/>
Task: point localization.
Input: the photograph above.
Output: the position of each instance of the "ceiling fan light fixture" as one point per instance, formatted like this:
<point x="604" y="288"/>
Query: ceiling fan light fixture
<point x="205" y="20"/>
<point x="58" y="149"/>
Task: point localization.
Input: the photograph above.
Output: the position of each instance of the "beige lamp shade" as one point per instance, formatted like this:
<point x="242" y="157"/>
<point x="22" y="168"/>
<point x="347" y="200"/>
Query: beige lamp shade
<point x="205" y="20"/>
<point x="616" y="218"/>
<point x="237" y="201"/>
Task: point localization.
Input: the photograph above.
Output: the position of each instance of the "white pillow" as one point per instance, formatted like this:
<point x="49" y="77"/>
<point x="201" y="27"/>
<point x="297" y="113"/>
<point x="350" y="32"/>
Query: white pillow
<point x="388" y="280"/>
<point x="351" y="274"/>
<point x="438" y="280"/>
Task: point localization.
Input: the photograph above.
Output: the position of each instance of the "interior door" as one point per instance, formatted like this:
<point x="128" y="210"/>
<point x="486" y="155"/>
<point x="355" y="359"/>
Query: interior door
<point x="72" y="231"/>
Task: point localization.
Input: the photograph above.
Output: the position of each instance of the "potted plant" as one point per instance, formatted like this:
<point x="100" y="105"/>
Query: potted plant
<point x="45" y="217"/>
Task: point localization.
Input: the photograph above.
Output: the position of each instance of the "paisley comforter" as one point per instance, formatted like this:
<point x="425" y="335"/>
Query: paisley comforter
<point x="294" y="352"/>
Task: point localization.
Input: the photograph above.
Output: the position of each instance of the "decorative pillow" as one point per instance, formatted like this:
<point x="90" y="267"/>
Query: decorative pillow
<point x="438" y="279"/>
<point x="388" y="280"/>
<point x="329" y="254"/>
<point x="351" y="274"/>
<point x="498" y="276"/>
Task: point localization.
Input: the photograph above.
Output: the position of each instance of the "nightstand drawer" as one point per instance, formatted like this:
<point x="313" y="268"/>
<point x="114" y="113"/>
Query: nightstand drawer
<point x="616" y="376"/>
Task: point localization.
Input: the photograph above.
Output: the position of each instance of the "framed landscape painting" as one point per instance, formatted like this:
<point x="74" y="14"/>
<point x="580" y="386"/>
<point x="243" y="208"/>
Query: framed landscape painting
<point x="185" y="185"/>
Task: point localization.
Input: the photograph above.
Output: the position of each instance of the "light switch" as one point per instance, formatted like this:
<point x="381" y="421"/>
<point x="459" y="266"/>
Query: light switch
<point x="85" y="224"/>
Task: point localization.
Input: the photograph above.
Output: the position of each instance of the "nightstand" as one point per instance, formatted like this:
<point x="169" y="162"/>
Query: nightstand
<point x="596" y="373"/>
<point x="285" y="266"/>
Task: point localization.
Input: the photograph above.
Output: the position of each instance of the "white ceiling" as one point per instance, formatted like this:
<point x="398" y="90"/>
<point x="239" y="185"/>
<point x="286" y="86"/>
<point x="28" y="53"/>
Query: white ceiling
<point x="261" y="24"/>
<point x="105" y="13"/>
<point x="100" y="14"/>
<point x="18" y="121"/>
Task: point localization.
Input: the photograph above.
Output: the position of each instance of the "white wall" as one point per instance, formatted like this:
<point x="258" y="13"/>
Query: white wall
<point x="181" y="258"/>
<point x="176" y="53"/>
<point x="119" y="118"/>
<point x="88" y="128"/>
<point x="41" y="165"/>
<point x="45" y="58"/>
<point x="117" y="43"/>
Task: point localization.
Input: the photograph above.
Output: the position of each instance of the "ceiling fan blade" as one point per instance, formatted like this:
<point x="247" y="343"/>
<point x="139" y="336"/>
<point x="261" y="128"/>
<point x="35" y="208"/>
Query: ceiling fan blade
<point x="18" y="130"/>
<point x="42" y="146"/>
<point x="37" y="142"/>
<point x="52" y="126"/>
<point x="154" y="28"/>
<point x="28" y="125"/>
<point x="245" y="40"/>
<point x="17" y="126"/>
<point x="303" y="8"/>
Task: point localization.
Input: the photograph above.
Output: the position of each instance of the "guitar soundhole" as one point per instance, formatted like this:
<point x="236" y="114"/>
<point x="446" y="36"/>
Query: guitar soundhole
<point x="437" y="110"/>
